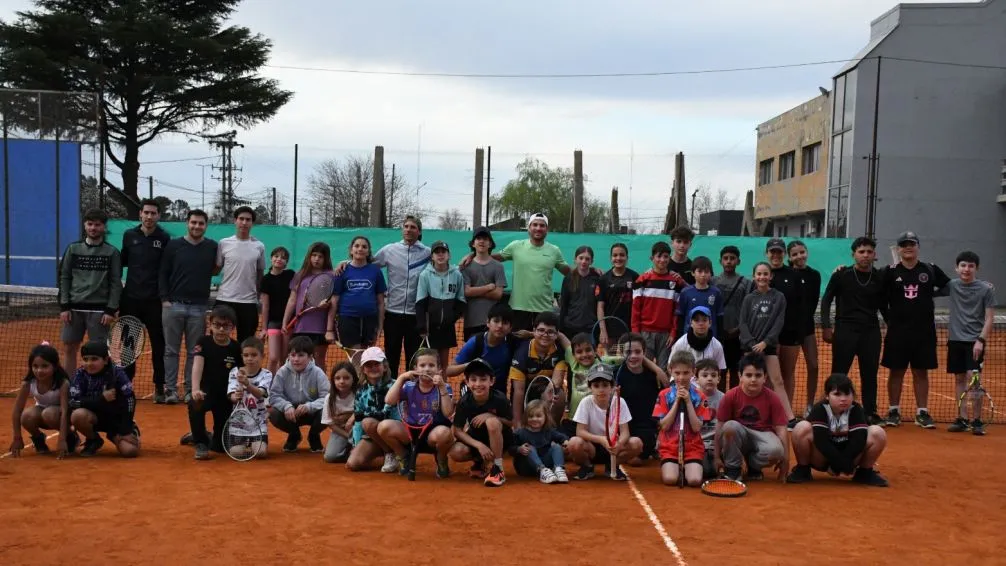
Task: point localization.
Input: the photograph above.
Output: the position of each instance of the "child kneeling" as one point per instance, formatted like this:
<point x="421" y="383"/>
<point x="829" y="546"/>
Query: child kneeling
<point x="682" y="396"/>
<point x="102" y="400"/>
<point x="297" y="396"/>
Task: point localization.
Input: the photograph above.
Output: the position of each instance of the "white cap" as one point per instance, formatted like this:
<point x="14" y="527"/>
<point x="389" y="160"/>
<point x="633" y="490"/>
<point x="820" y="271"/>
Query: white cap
<point x="372" y="354"/>
<point x="538" y="216"/>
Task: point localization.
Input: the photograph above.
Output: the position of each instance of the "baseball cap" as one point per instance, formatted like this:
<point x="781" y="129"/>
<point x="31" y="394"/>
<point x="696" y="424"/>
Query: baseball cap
<point x="906" y="237"/>
<point x="440" y="244"/>
<point x="483" y="231"/>
<point x="537" y="216"/>
<point x="372" y="354"/>
<point x="600" y="371"/>
<point x="699" y="309"/>
<point x="479" y="366"/>
<point x="775" y="244"/>
<point x="96" y="348"/>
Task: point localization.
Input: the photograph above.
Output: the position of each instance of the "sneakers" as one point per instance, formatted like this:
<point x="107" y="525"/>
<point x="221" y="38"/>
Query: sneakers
<point x="202" y="452"/>
<point x="584" y="473"/>
<point x="91" y="446"/>
<point x="403" y="465"/>
<point x="792" y="423"/>
<point x="560" y="475"/>
<point x="443" y="470"/>
<point x="171" y="398"/>
<point x="38" y="440"/>
<point x="874" y="419"/>
<point x="800" y="474"/>
<point x="390" y="464"/>
<point x="923" y="419"/>
<point x="869" y="476"/>
<point x="894" y="418"/>
<point x="755" y="475"/>
<point x="959" y="425"/>
<point x="160" y="398"/>
<point x="547" y="476"/>
<point x="72" y="442"/>
<point x="186" y="439"/>
<point x="977" y="427"/>
<point x="477" y="471"/>
<point x="291" y="443"/>
<point x="188" y="398"/>
<point x="496" y="478"/>
<point x="732" y="474"/>
<point x="314" y="441"/>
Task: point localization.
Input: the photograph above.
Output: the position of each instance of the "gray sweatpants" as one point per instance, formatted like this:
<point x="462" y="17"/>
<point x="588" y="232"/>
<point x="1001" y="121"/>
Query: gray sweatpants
<point x="739" y="443"/>
<point x="657" y="348"/>
<point x="337" y="449"/>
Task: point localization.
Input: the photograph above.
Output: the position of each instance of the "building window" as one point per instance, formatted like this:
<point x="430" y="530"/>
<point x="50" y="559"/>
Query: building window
<point x="836" y="160"/>
<point x="787" y="166"/>
<point x="803" y="229"/>
<point x="838" y="211"/>
<point x="838" y="105"/>
<point x="765" y="172"/>
<point x="811" y="159"/>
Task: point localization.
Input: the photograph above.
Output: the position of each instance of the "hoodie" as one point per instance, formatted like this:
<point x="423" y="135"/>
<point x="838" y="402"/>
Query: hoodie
<point x="440" y="298"/>
<point x="404" y="264"/>
<point x="291" y="388"/>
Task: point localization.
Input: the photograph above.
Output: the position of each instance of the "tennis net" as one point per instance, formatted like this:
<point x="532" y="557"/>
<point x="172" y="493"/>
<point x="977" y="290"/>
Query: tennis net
<point x="29" y="315"/>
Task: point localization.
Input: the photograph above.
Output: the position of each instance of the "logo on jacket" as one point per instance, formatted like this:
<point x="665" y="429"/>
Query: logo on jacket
<point x="923" y="277"/>
<point x="711" y="300"/>
<point x="157" y="243"/>
<point x="911" y="291"/>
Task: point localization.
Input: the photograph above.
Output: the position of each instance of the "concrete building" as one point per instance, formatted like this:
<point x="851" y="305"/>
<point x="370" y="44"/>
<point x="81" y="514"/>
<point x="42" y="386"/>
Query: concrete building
<point x="791" y="170"/>
<point x="937" y="129"/>
<point x="721" y="223"/>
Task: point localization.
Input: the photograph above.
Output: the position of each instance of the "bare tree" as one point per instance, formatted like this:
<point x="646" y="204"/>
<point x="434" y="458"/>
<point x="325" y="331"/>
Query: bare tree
<point x="706" y="200"/>
<point x="339" y="193"/>
<point x="452" y="220"/>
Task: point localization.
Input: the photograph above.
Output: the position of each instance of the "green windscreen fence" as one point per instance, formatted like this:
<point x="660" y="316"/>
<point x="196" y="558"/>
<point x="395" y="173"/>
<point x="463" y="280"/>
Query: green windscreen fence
<point x="825" y="254"/>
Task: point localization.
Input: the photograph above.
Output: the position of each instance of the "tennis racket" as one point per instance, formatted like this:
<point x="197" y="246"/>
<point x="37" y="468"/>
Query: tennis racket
<point x="126" y="341"/>
<point x="424" y="344"/>
<point x="243" y="437"/>
<point x="541" y="388"/>
<point x="606" y="334"/>
<point x="319" y="291"/>
<point x="724" y="487"/>
<point x="976" y="401"/>
<point x="681" y="446"/>
<point x="354" y="355"/>
<point x="417" y="420"/>
<point x="612" y="428"/>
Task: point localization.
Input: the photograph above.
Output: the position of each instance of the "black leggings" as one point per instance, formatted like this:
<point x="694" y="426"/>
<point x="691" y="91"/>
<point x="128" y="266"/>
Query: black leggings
<point x="399" y="328"/>
<point x="221" y="408"/>
<point x="864" y="345"/>
<point x="149" y="313"/>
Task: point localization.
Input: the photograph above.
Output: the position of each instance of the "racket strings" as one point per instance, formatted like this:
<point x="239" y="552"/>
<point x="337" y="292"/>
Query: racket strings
<point x="724" y="488"/>
<point x="126" y="341"/>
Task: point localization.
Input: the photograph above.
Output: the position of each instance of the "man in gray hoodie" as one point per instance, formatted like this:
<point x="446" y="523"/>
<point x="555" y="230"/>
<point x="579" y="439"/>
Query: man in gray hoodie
<point x="297" y="396"/>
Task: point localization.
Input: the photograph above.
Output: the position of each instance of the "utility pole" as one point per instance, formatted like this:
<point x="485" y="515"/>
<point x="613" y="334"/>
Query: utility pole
<point x="275" y="218"/>
<point x="203" y="171"/>
<point x="150" y="187"/>
<point x="226" y="143"/>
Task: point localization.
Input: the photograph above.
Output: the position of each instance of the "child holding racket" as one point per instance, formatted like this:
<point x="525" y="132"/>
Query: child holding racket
<point x="250" y="383"/>
<point x="49" y="386"/>
<point x="309" y="304"/>
<point x="440" y="301"/>
<point x="836" y="438"/>
<point x="274" y="294"/>
<point x="578" y="298"/>
<point x="591" y="444"/>
<point x="751" y="425"/>
<point x="297" y="396"/>
<point x="763" y="313"/>
<point x="338" y="411"/>
<point x="685" y="396"/>
<point x="639" y="381"/>
<point x="425" y="404"/>
<point x="369" y="409"/>
<point x="538" y="446"/>
<point x="358" y="299"/>
<point x="708" y="379"/>
<point x="482" y="425"/>
<point x="102" y="401"/>
<point x="215" y="356"/>
<point x="580" y="357"/>
<point x="540" y="356"/>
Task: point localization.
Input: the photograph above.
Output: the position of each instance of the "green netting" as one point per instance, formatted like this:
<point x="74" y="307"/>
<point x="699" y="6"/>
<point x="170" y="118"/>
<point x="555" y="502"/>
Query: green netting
<point x="825" y="254"/>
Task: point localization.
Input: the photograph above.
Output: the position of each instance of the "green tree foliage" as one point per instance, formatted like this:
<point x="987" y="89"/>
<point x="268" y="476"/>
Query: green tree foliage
<point x="160" y="67"/>
<point x="541" y="188"/>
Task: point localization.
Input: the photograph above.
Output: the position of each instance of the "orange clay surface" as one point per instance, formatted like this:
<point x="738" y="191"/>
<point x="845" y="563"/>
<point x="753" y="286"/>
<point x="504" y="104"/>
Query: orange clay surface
<point x="944" y="507"/>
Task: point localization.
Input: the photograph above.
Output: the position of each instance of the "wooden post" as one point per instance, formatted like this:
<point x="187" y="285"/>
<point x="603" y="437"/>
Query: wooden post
<point x="578" y="191"/>
<point x="377" y="195"/>
<point x="295" y="155"/>
<point x="477" y="205"/>
<point x="150" y="187"/>
<point x="615" y="227"/>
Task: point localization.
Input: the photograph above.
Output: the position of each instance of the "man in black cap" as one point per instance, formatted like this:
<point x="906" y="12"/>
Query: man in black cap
<point x="484" y="282"/>
<point x="910" y="286"/>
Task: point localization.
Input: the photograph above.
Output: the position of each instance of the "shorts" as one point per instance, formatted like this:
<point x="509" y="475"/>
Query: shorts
<point x="568" y="428"/>
<point x="791" y="336"/>
<point x="114" y="425"/>
<point x="357" y="330"/>
<point x="695" y="449"/>
<point x="904" y="349"/>
<point x="768" y="351"/>
<point x="422" y="443"/>
<point x="442" y="337"/>
<point x="316" y="339"/>
<point x="961" y="357"/>
<point x="81" y="322"/>
<point x="840" y="446"/>
<point x="474" y="330"/>
<point x="656" y="347"/>
<point x="649" y="437"/>
<point x="601" y="455"/>
<point x="481" y="434"/>
<point x="274" y="325"/>
<point x="523" y="320"/>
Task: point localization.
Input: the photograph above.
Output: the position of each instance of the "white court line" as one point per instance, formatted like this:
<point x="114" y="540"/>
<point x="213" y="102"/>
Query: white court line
<point x="668" y="541"/>
<point x="32" y="446"/>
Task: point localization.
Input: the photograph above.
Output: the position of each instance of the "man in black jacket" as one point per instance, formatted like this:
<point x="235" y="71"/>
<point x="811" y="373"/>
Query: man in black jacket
<point x="142" y="249"/>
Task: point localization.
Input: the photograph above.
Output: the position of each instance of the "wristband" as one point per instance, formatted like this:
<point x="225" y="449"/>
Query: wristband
<point x="982" y="340"/>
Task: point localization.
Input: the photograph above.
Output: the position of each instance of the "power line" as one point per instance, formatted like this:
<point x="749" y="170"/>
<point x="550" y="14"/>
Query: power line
<point x="180" y="160"/>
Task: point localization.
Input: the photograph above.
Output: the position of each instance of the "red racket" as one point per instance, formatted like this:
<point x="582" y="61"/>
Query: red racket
<point x="612" y="427"/>
<point x="724" y="487"/>
<point x="317" y="295"/>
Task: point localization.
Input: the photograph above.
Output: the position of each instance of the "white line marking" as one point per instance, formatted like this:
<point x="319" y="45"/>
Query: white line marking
<point x="53" y="435"/>
<point x="668" y="541"/>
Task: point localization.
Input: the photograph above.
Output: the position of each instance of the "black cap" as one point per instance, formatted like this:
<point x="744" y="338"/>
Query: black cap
<point x="96" y="348"/>
<point x="438" y="245"/>
<point x="906" y="237"/>
<point x="480" y="366"/>
<point x="480" y="232"/>
<point x="775" y="244"/>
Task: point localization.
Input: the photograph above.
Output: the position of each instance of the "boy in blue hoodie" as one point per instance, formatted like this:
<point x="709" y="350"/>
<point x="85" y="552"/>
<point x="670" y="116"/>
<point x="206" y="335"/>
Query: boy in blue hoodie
<point x="440" y="302"/>
<point x="297" y="396"/>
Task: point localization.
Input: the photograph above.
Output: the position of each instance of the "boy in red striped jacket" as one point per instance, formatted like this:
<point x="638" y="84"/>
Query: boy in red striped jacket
<point x="654" y="303"/>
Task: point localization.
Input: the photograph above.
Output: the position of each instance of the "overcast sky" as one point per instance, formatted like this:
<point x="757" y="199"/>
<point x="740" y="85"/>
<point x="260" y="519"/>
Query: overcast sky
<point x="628" y="127"/>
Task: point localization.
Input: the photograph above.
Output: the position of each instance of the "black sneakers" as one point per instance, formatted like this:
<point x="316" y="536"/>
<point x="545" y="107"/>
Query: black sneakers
<point x="894" y="418"/>
<point x="977" y="427"/>
<point x="800" y="474"/>
<point x="91" y="446"/>
<point x="959" y="425"/>
<point x="923" y="420"/>
<point x="869" y="476"/>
